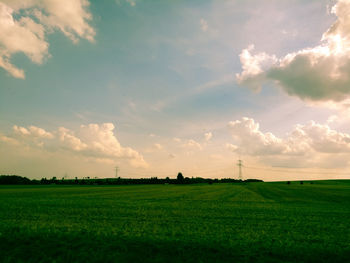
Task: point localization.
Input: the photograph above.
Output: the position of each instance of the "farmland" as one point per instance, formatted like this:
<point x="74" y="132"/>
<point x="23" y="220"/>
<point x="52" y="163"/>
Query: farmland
<point x="253" y="222"/>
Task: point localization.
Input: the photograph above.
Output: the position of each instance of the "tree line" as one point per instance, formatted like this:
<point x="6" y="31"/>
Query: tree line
<point x="180" y="179"/>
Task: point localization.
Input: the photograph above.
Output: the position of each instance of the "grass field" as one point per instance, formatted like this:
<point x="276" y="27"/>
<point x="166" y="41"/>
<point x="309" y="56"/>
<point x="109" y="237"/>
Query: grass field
<point x="255" y="222"/>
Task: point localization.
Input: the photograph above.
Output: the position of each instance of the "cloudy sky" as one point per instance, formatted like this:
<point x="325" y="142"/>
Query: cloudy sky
<point x="158" y="87"/>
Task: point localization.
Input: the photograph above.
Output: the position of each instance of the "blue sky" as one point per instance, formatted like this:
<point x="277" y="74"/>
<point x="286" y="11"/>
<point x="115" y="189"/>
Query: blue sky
<point x="165" y="74"/>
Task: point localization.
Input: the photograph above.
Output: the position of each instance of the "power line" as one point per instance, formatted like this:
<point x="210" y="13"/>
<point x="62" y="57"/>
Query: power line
<point x="295" y="171"/>
<point x="116" y="171"/>
<point x="240" y="164"/>
<point x="224" y="170"/>
<point x="189" y="173"/>
<point x="185" y="170"/>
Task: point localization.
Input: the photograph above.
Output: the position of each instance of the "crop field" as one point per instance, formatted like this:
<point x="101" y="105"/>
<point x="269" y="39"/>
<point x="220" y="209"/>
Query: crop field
<point x="253" y="222"/>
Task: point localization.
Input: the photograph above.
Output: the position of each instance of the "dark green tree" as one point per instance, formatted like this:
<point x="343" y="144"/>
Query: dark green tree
<point x="180" y="177"/>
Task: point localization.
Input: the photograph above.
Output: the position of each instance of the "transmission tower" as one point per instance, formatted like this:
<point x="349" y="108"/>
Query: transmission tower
<point x="116" y="171"/>
<point x="240" y="165"/>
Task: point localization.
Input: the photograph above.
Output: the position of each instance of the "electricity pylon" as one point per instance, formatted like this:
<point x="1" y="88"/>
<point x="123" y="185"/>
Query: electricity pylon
<point x="116" y="171"/>
<point x="240" y="165"/>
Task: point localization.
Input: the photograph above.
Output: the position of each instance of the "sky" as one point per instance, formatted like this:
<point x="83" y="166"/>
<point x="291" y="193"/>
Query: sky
<point x="160" y="87"/>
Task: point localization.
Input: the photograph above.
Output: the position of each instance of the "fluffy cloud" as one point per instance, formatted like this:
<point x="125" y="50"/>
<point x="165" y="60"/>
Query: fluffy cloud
<point x="192" y="144"/>
<point x="32" y="131"/>
<point x="231" y="147"/>
<point x="311" y="140"/>
<point x="321" y="138"/>
<point x="158" y="146"/>
<point x="92" y="141"/>
<point x="25" y="24"/>
<point x="302" y="139"/>
<point x="252" y="141"/>
<point x="254" y="67"/>
<point x="320" y="73"/>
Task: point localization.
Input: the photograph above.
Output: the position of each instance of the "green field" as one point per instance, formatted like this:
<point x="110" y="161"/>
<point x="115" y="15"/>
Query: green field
<point x="254" y="222"/>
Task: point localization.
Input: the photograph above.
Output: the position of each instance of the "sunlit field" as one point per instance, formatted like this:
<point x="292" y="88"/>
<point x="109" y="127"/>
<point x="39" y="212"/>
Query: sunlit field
<point x="254" y="222"/>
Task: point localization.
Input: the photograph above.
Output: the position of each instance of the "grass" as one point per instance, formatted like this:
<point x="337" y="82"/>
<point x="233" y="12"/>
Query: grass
<point x="255" y="222"/>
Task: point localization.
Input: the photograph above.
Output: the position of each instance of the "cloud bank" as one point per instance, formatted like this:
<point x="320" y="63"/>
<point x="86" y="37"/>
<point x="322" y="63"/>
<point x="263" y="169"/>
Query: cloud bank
<point x="320" y="73"/>
<point x="93" y="141"/>
<point x="24" y="26"/>
<point x="307" y="143"/>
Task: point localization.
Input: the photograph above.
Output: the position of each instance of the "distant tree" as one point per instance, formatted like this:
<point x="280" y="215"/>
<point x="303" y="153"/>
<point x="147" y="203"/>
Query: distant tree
<point x="13" y="179"/>
<point x="180" y="177"/>
<point x="43" y="180"/>
<point x="253" y="180"/>
<point x="301" y="182"/>
<point x="288" y="182"/>
<point x="153" y="180"/>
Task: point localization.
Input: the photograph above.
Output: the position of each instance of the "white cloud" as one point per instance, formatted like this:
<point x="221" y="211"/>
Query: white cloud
<point x="94" y="141"/>
<point x="311" y="142"/>
<point x="178" y="140"/>
<point x="253" y="67"/>
<point x="8" y="140"/>
<point x="158" y="146"/>
<point x="22" y="35"/>
<point x="68" y="140"/>
<point x="319" y="73"/>
<point x="33" y="131"/>
<point x="189" y="143"/>
<point x="25" y="24"/>
<point x="130" y="2"/>
<point x="231" y="147"/>
<point x="252" y="141"/>
<point x="192" y="144"/>
<point x="322" y="138"/>
<point x="208" y="136"/>
<point x="332" y="119"/>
